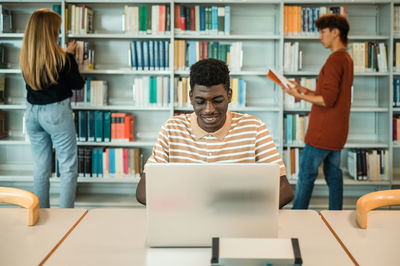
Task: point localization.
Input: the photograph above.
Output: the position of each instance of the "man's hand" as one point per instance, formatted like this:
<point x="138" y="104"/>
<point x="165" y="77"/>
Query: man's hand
<point x="71" y="47"/>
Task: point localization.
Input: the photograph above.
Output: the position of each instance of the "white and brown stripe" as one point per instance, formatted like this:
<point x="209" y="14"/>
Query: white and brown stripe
<point x="243" y="139"/>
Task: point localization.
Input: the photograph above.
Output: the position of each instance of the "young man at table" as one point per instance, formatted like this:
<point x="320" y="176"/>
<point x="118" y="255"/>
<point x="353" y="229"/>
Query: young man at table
<point x="212" y="133"/>
<point x="329" y="118"/>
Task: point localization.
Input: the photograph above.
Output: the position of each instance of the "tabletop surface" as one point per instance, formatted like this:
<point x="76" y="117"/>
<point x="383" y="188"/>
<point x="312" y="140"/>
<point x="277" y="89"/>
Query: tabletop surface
<point x="29" y="245"/>
<point x="379" y="244"/>
<point x="117" y="236"/>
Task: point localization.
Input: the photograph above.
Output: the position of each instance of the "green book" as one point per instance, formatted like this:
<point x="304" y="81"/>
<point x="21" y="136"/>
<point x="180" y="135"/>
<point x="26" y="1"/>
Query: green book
<point x="107" y="126"/>
<point x="153" y="90"/>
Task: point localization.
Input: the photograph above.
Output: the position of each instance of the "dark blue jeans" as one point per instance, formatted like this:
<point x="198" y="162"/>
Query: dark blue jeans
<point x="312" y="158"/>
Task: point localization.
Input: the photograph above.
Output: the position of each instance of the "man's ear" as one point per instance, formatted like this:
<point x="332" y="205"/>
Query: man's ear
<point x="229" y="95"/>
<point x="191" y="96"/>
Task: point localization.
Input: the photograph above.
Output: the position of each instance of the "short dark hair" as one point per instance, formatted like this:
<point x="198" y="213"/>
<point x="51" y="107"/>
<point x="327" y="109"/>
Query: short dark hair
<point x="334" y="21"/>
<point x="209" y="72"/>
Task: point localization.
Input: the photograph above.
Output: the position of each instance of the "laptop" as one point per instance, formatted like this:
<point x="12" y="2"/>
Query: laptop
<point x="188" y="204"/>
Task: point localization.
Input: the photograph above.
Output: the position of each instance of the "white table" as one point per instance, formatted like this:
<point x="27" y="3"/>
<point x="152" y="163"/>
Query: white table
<point x="379" y="244"/>
<point x="116" y="237"/>
<point x="29" y="245"/>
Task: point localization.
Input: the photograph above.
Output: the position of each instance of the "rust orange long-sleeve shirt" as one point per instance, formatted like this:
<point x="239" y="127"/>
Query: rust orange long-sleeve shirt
<point x="328" y="126"/>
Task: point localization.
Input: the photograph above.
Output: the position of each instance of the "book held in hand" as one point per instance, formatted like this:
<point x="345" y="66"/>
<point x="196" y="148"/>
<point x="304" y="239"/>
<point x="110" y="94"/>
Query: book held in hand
<point x="278" y="78"/>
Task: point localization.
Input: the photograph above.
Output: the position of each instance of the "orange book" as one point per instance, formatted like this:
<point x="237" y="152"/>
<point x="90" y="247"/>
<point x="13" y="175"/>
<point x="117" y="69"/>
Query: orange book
<point x="177" y="15"/>
<point x="161" y="21"/>
<point x="278" y="78"/>
<point x="129" y="128"/>
<point x="292" y="161"/>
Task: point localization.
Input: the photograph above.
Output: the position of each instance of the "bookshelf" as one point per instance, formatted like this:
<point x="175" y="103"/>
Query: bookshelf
<point x="259" y="26"/>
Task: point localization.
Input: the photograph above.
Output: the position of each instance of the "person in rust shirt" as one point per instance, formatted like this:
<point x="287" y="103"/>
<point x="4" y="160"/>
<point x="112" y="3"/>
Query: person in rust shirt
<point x="329" y="118"/>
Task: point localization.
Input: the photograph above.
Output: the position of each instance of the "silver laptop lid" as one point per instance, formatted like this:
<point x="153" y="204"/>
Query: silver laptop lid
<point x="188" y="204"/>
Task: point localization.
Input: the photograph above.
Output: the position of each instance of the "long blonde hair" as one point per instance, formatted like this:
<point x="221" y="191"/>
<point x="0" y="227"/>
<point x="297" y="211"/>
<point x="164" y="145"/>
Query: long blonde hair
<point x="41" y="58"/>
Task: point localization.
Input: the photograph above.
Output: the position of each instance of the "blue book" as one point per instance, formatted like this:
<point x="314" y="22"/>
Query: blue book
<point x="166" y="54"/>
<point x="202" y="12"/>
<point x="98" y="126"/>
<point x="82" y="125"/>
<point x="90" y="127"/>
<point x="88" y="80"/>
<point x="394" y="92"/>
<point x="157" y="55"/>
<point x="192" y="53"/>
<point x="227" y="21"/>
<point x="139" y="52"/>
<point x="162" y="55"/>
<point x="151" y="54"/>
<point x="214" y="18"/>
<point x="289" y="129"/>
<point x="242" y="93"/>
<point x="146" y="61"/>
<point x="134" y="62"/>
<point x="111" y="161"/>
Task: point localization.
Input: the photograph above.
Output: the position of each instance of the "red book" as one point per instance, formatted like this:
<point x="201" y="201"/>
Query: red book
<point x="183" y="18"/>
<point x="192" y="19"/>
<point x="126" y="163"/>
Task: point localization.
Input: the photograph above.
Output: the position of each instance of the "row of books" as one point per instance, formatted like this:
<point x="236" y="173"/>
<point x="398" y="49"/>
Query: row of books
<point x="292" y="60"/>
<point x="84" y="55"/>
<point x="94" y="93"/>
<point x="109" y="162"/>
<point x="6" y="25"/>
<point x="290" y="102"/>
<point x="301" y="20"/>
<point x="151" y="91"/>
<point x="291" y="159"/>
<point x="187" y="53"/>
<point x="152" y="19"/>
<point x="368" y="164"/>
<point x="79" y="19"/>
<point x="396" y="128"/>
<point x="182" y="89"/>
<point x="295" y="128"/>
<point x="203" y="19"/>
<point x="98" y="126"/>
<point x="396" y="92"/>
<point x="368" y="56"/>
<point x="149" y="54"/>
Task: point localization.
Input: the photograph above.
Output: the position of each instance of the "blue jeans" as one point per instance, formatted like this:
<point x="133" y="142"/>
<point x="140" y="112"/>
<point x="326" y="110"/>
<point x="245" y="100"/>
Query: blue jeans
<point x="53" y="125"/>
<point x="312" y="158"/>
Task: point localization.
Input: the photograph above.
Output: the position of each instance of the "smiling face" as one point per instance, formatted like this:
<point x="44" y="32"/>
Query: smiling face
<point x="210" y="105"/>
<point x="328" y="37"/>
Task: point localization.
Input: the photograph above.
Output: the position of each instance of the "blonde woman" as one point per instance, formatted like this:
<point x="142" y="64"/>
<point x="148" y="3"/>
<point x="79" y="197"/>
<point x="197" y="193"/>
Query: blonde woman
<point x="50" y="74"/>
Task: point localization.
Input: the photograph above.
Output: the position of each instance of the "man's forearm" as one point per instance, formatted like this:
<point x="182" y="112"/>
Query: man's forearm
<point x="314" y="99"/>
<point x="141" y="190"/>
<point x="286" y="193"/>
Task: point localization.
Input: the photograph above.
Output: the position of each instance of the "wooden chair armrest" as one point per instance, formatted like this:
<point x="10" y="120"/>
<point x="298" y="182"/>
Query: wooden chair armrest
<point x="375" y="200"/>
<point x="24" y="199"/>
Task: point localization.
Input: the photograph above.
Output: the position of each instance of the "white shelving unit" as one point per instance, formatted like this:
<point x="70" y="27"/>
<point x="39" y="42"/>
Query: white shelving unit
<point x="258" y="24"/>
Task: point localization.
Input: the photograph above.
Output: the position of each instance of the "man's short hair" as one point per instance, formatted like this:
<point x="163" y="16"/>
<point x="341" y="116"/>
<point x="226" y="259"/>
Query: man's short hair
<point x="209" y="72"/>
<point x="334" y="21"/>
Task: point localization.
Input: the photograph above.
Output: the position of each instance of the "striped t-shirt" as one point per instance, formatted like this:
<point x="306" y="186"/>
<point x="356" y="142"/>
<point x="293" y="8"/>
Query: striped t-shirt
<point x="242" y="139"/>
